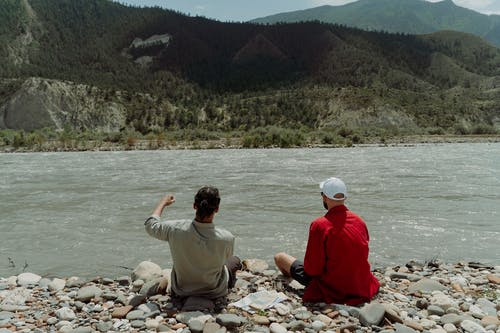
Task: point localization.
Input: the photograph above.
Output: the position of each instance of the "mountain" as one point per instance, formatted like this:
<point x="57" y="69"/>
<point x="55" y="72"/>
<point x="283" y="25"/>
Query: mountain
<point x="96" y="65"/>
<point x="404" y="16"/>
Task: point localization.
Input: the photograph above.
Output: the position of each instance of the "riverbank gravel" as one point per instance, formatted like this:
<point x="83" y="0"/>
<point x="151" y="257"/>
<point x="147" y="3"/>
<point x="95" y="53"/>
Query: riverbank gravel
<point x="431" y="297"/>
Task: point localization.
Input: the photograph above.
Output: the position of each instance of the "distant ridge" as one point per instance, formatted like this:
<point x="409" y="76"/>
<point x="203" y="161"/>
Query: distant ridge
<point x="404" y="16"/>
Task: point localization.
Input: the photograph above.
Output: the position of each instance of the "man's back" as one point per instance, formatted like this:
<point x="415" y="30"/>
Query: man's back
<point x="337" y="259"/>
<point x="199" y="252"/>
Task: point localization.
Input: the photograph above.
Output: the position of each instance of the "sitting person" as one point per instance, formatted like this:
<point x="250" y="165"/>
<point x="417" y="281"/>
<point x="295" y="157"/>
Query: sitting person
<point x="202" y="254"/>
<point x="335" y="267"/>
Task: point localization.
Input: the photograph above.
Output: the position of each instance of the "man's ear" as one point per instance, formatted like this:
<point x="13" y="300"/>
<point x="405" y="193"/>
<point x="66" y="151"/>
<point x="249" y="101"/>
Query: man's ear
<point x="194" y="206"/>
<point x="216" y="210"/>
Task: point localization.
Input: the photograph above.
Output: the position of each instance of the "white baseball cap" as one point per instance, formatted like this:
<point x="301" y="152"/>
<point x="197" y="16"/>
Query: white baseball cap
<point x="333" y="186"/>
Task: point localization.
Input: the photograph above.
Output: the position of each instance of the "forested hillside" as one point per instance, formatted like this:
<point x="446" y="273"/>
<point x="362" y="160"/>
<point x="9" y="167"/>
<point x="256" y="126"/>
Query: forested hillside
<point x="399" y="16"/>
<point x="167" y="71"/>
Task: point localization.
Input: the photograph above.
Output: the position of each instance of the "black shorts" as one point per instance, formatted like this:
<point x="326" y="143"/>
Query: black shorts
<point x="298" y="273"/>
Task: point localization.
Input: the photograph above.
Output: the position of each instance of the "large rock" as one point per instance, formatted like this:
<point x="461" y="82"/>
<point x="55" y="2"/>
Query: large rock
<point x="57" y="285"/>
<point x="65" y="314"/>
<point x="255" y="265"/>
<point x="472" y="327"/>
<point x="147" y="271"/>
<point x="25" y="279"/>
<point x="426" y="286"/>
<point x="229" y="320"/>
<point x="85" y="294"/>
<point x="372" y="314"/>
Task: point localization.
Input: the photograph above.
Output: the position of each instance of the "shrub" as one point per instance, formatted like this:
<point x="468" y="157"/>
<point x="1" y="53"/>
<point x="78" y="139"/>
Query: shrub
<point x="484" y="129"/>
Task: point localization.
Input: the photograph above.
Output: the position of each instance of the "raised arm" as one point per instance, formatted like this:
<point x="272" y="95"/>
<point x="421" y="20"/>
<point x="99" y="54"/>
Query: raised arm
<point x="167" y="200"/>
<point x="154" y="227"/>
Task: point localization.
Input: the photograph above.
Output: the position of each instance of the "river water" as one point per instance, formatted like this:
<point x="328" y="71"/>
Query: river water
<point x="64" y="214"/>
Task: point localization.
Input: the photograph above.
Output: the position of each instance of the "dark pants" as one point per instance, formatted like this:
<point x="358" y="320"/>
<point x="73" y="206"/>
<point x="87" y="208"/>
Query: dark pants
<point x="298" y="273"/>
<point x="233" y="264"/>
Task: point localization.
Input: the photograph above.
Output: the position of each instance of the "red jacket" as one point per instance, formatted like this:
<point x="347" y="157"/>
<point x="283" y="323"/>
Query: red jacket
<point x="337" y="260"/>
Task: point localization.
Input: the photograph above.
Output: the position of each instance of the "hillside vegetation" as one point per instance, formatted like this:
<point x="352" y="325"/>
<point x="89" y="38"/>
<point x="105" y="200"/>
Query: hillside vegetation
<point x="399" y="16"/>
<point x="328" y="81"/>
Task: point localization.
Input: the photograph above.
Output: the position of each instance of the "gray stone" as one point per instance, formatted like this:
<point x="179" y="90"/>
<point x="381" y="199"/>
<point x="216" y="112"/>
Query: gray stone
<point x="6" y="315"/>
<point x="25" y="279"/>
<point x="184" y="317"/>
<point x="277" y="328"/>
<point x="56" y="285"/>
<point x="137" y="324"/>
<point x="211" y="327"/>
<point x="150" y="288"/>
<point x="74" y="281"/>
<point x="372" y="314"/>
<point x="164" y="328"/>
<point x="65" y="314"/>
<point x="149" y="307"/>
<point x="4" y="330"/>
<point x="426" y="286"/>
<point x="406" y="276"/>
<point x="44" y="283"/>
<point x="109" y="296"/>
<point x="137" y="300"/>
<point x="195" y="326"/>
<point x="136" y="314"/>
<point x="442" y="300"/>
<point x="146" y="271"/>
<point x="303" y="315"/>
<point x="488" y="307"/>
<point x="255" y="265"/>
<point x="260" y="329"/>
<point x="282" y="309"/>
<point x="82" y="330"/>
<point x="472" y="327"/>
<point x="400" y="328"/>
<point x="450" y="328"/>
<point x="318" y="325"/>
<point x="296" y="325"/>
<point x="104" y="326"/>
<point x="85" y="294"/>
<point x="435" y="310"/>
<point x="230" y="320"/>
<point x="124" y="280"/>
<point x="453" y="318"/>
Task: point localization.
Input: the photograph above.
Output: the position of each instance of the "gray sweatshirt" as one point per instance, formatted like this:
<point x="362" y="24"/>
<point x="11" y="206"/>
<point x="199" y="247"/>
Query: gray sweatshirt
<point x="199" y="253"/>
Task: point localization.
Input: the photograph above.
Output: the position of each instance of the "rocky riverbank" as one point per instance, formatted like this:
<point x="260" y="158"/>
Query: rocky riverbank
<point x="433" y="297"/>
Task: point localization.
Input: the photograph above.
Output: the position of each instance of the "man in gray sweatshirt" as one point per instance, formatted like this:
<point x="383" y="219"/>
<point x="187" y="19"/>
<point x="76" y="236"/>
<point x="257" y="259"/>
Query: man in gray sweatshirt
<point x="202" y="254"/>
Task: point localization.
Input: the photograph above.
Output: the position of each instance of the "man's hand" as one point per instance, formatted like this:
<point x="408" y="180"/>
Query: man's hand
<point x="167" y="200"/>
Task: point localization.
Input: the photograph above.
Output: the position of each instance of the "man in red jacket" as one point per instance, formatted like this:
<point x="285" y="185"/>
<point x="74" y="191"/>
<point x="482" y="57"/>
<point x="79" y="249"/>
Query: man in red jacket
<point x="335" y="267"/>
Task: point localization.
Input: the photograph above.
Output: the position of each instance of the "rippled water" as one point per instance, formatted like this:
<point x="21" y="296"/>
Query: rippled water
<point x="82" y="213"/>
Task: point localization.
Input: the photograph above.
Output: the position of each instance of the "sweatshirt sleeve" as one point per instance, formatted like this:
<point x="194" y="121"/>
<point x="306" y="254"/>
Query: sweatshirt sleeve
<point x="314" y="259"/>
<point x="157" y="229"/>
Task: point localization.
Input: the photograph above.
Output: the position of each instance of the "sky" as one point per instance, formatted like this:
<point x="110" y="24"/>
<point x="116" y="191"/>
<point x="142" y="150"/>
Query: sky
<point x="244" y="10"/>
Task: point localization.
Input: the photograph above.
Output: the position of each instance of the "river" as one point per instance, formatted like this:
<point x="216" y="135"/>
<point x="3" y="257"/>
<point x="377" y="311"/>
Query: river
<point x="64" y="214"/>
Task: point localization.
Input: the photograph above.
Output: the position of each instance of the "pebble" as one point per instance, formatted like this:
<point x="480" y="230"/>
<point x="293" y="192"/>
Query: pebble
<point x="25" y="279"/>
<point x="472" y="327"/>
<point x="65" y="314"/>
<point x="450" y="328"/>
<point x="56" y="285"/>
<point x="372" y="314"/>
<point x="230" y="320"/>
<point x="136" y="314"/>
<point x="146" y="271"/>
<point x="277" y="328"/>
<point x="85" y="294"/>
